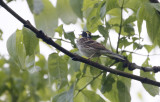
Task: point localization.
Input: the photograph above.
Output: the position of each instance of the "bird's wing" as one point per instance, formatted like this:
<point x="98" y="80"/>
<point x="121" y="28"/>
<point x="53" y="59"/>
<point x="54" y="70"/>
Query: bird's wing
<point x="94" y="44"/>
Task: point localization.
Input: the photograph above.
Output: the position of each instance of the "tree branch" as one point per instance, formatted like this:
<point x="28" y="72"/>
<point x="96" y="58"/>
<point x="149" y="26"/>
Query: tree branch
<point x="75" y="57"/>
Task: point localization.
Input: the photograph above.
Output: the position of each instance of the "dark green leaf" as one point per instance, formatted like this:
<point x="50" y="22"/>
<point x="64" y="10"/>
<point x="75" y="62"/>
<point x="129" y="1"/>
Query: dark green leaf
<point x="137" y="46"/>
<point x="104" y="31"/>
<point x="71" y="37"/>
<point x="95" y="37"/>
<point x="113" y="87"/>
<point x="128" y="28"/>
<point x="77" y="7"/>
<point x="65" y="96"/>
<point x="124" y="42"/>
<point x="151" y="89"/>
<point x="123" y="92"/>
<point x="107" y="83"/>
<point x="58" y="70"/>
<point x="47" y="20"/>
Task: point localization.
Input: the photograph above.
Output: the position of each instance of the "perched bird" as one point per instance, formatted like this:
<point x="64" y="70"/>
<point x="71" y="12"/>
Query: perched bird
<point x="91" y="48"/>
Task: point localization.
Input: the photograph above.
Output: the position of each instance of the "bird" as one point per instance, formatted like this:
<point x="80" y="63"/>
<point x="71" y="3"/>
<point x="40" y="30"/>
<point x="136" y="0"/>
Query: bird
<point x="91" y="48"/>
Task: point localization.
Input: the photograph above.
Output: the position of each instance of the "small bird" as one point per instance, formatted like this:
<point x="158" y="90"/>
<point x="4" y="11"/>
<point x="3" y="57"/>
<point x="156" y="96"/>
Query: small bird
<point x="91" y="48"/>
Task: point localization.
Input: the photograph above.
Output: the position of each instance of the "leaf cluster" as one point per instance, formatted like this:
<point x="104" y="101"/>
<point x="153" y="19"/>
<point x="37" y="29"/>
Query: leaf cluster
<point x="28" y="76"/>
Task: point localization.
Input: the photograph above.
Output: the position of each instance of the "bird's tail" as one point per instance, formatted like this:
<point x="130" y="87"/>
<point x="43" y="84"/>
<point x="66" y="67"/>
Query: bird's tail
<point x="114" y="55"/>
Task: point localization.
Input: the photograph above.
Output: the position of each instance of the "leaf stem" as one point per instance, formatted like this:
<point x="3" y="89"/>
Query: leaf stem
<point x="88" y="83"/>
<point x="61" y="40"/>
<point x="120" y="27"/>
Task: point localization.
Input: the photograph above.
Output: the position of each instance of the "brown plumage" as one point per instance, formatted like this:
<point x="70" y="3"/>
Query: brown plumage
<point x="91" y="48"/>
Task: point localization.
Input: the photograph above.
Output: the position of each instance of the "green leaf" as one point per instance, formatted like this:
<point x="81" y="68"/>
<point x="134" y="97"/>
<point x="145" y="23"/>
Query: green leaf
<point x="113" y="87"/>
<point x="128" y="28"/>
<point x="47" y="20"/>
<point x="71" y="37"/>
<point x="82" y="82"/>
<point x="1" y="34"/>
<point x="30" y="41"/>
<point x="88" y="4"/>
<point x="3" y="77"/>
<point x="95" y="37"/>
<point x="16" y="49"/>
<point x="58" y="70"/>
<point x="140" y="17"/>
<point x="65" y="96"/>
<point x="88" y="96"/>
<point x="93" y="20"/>
<point x="107" y="83"/>
<point x="124" y="42"/>
<point x="36" y="6"/>
<point x="110" y="4"/>
<point x="130" y="19"/>
<point x="133" y="4"/>
<point x="103" y="10"/>
<point x="151" y="89"/>
<point x="104" y="31"/>
<point x="77" y="7"/>
<point x="149" y="48"/>
<point x="65" y="12"/>
<point x="115" y="12"/>
<point x="74" y="66"/>
<point x="30" y="61"/>
<point x="123" y="92"/>
<point x="59" y="29"/>
<point x="41" y="62"/>
<point x="152" y="23"/>
<point x="156" y="6"/>
<point x="137" y="46"/>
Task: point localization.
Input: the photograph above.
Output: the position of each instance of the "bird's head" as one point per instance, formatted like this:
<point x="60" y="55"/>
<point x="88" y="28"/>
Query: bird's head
<point x="86" y="34"/>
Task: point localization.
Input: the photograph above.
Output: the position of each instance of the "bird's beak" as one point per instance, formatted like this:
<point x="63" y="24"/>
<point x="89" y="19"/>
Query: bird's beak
<point x="80" y="35"/>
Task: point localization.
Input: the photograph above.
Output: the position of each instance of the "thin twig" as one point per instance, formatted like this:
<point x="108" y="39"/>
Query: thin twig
<point x="40" y="34"/>
<point x="88" y="84"/>
<point x="120" y="27"/>
<point x="139" y="53"/>
<point x="61" y="40"/>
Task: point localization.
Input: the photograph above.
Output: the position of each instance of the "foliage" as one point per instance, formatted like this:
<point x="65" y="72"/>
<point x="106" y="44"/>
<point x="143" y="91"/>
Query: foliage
<point x="27" y="76"/>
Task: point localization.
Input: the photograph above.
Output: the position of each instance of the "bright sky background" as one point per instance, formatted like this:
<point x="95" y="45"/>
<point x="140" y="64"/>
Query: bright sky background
<point x="9" y="24"/>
